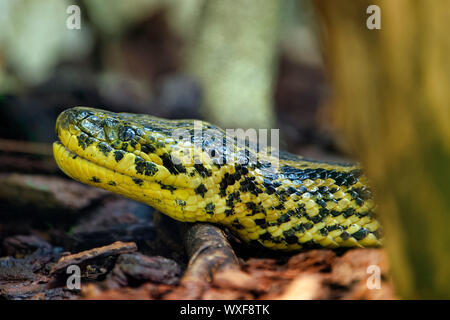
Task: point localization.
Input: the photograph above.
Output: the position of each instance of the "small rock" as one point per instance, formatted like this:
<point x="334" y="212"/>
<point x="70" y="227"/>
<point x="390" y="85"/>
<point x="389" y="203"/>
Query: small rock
<point x="16" y="269"/>
<point x="135" y="268"/>
<point x="117" y="219"/>
<point x="21" y="245"/>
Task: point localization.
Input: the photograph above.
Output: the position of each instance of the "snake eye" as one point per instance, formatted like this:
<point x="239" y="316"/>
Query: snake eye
<point x="126" y="133"/>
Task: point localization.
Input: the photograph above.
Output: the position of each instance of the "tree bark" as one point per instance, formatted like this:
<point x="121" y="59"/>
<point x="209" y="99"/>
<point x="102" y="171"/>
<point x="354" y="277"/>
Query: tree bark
<point x="392" y="105"/>
<point x="233" y="58"/>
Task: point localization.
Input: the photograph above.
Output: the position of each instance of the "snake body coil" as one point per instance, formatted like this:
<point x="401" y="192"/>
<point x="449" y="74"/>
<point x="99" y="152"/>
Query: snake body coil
<point x="303" y="204"/>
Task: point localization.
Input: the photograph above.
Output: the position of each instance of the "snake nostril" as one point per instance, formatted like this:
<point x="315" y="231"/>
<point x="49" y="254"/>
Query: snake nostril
<point x="64" y="119"/>
<point x="72" y="117"/>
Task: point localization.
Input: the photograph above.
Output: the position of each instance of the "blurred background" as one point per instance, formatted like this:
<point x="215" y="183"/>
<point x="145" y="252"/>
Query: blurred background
<point x="259" y="66"/>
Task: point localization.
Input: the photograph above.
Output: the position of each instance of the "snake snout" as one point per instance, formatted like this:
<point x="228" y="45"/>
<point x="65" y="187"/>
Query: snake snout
<point x="72" y="117"/>
<point x="89" y="121"/>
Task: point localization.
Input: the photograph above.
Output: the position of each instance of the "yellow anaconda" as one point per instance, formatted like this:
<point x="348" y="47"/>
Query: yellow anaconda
<point x="301" y="204"/>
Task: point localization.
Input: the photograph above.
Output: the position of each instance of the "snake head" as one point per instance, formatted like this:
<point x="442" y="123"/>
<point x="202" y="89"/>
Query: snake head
<point x="133" y="155"/>
<point x="139" y="146"/>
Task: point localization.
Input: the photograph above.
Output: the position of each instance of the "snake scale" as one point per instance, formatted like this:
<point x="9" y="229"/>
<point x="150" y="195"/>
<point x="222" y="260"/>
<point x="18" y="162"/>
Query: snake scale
<point x="303" y="204"/>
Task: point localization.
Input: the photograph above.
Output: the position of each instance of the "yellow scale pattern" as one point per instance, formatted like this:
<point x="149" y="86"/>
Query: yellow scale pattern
<point x="306" y="204"/>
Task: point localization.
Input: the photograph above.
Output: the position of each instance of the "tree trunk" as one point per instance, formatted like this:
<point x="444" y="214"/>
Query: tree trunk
<point x="392" y="104"/>
<point x="233" y="58"/>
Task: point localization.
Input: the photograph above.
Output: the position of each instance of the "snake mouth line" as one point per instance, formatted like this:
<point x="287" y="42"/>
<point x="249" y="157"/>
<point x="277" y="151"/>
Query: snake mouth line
<point x="66" y="159"/>
<point x="92" y="173"/>
<point x="135" y="165"/>
<point x="85" y="170"/>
